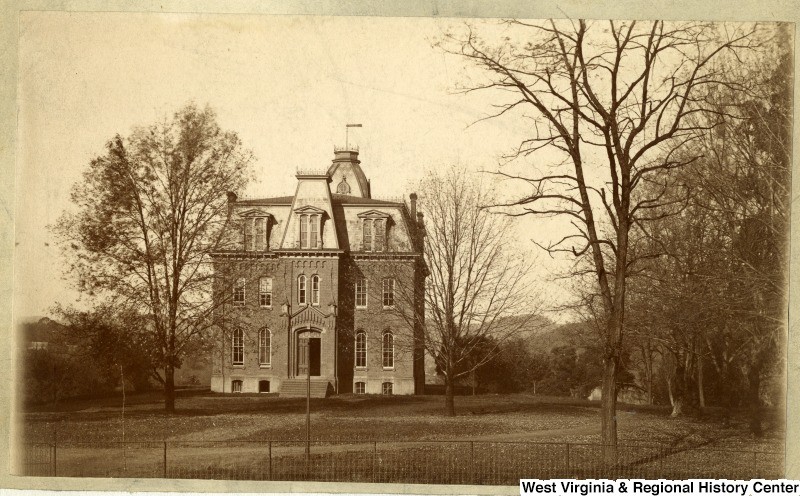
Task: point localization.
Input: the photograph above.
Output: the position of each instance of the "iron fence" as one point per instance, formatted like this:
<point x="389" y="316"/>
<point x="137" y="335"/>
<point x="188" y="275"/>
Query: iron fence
<point x="425" y="462"/>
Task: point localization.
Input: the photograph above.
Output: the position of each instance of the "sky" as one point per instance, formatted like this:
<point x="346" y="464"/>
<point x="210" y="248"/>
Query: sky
<point x="287" y="85"/>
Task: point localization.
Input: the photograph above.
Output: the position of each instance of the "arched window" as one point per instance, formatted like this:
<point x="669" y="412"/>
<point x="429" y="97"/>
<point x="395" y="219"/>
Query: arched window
<point x="388" y="350"/>
<point x="304" y="231"/>
<point x="309" y="231"/>
<point x="379" y="235"/>
<point x="361" y="350"/>
<point x="301" y="290"/>
<point x="360" y="388"/>
<point x="314" y="228"/>
<point x="367" y="234"/>
<point x="264" y="347"/>
<point x="236" y="386"/>
<point x="315" y="290"/>
<point x="386" y="388"/>
<point x="261" y="233"/>
<point x="374" y="234"/>
<point x="237" y="347"/>
<point x="255" y="233"/>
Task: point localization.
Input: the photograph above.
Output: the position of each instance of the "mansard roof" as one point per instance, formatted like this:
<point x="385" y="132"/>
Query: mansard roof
<point x="337" y="199"/>
<point x="357" y="200"/>
<point x="276" y="200"/>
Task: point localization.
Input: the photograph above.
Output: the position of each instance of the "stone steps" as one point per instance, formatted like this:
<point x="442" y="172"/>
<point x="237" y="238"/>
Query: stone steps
<point x="296" y="388"/>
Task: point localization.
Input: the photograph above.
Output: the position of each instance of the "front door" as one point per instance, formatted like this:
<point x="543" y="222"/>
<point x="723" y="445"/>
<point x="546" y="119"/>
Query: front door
<point x="308" y="354"/>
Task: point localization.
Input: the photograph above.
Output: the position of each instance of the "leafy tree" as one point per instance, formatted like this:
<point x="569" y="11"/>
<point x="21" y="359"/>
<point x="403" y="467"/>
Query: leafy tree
<point x="114" y="343"/>
<point x="149" y="212"/>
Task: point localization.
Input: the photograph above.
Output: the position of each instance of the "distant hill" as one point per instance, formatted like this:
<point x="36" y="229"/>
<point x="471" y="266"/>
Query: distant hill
<point x="575" y="334"/>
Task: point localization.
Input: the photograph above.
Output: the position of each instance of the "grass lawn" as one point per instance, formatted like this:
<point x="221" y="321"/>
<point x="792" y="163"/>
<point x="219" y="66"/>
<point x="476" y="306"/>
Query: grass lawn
<point x="203" y="416"/>
<point x="223" y="436"/>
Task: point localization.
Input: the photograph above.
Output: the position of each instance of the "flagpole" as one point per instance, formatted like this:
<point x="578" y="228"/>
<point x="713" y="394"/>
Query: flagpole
<point x="347" y="134"/>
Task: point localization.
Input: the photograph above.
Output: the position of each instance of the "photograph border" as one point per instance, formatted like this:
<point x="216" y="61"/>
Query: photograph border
<point x="755" y="10"/>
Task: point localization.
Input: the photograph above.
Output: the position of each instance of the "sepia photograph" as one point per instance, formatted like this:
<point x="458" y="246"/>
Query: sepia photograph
<point x="400" y="250"/>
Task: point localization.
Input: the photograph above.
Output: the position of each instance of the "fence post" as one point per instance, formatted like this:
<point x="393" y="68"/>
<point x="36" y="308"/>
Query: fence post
<point x="165" y="459"/>
<point x="566" y="445"/>
<point x="472" y="461"/>
<point x="374" y="461"/>
<point x="270" y="460"/>
<point x="55" y="452"/>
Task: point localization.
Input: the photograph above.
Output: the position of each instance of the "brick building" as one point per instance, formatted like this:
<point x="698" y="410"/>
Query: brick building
<point x="327" y="283"/>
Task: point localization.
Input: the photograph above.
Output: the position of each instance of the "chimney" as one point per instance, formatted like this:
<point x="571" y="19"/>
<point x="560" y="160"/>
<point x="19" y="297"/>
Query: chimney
<point x="231" y="200"/>
<point x="413" y="197"/>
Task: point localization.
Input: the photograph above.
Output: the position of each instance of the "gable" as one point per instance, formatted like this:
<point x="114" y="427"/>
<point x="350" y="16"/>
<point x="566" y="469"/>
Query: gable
<point x="255" y="212"/>
<point x="310" y="210"/>
<point x="374" y="214"/>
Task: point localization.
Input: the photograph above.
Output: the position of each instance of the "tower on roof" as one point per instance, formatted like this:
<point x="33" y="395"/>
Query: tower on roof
<point x="345" y="171"/>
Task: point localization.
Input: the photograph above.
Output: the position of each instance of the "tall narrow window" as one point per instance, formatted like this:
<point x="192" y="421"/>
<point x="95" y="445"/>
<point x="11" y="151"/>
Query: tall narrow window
<point x="367" y="234"/>
<point x="388" y="293"/>
<point x="261" y="233"/>
<point x="388" y="350"/>
<point x="380" y="234"/>
<point x="313" y="220"/>
<point x="238" y="292"/>
<point x="361" y="293"/>
<point x="315" y="290"/>
<point x="361" y="350"/>
<point x="265" y="292"/>
<point x="301" y="290"/>
<point x="304" y="231"/>
<point x="237" y="347"/>
<point x="264" y="347"/>
<point x="248" y="234"/>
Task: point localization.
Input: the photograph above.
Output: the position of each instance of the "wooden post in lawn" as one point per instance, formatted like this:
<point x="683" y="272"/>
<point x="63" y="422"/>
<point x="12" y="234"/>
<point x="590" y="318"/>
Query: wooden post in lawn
<point x="472" y="461"/>
<point x="55" y="450"/>
<point x="308" y="399"/>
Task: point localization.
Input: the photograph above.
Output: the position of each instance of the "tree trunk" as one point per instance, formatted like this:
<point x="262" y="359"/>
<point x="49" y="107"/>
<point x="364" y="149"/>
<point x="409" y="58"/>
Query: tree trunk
<point x="754" y="379"/>
<point x="608" y="411"/>
<point x="680" y="393"/>
<point x="169" y="388"/>
<point x="701" y="397"/>
<point x="474" y="380"/>
<point x="669" y="391"/>
<point x="449" y="401"/>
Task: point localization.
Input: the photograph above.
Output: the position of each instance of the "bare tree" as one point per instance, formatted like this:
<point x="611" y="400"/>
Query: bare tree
<point x="478" y="292"/>
<point x="149" y="213"/>
<point x="609" y="105"/>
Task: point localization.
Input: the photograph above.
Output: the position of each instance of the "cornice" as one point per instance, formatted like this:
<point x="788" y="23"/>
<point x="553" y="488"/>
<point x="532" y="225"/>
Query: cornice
<point x="385" y="255"/>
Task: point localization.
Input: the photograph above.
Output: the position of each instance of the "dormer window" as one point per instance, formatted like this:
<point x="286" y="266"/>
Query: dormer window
<point x="310" y="228"/>
<point x="256" y="227"/>
<point x="373" y="225"/>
